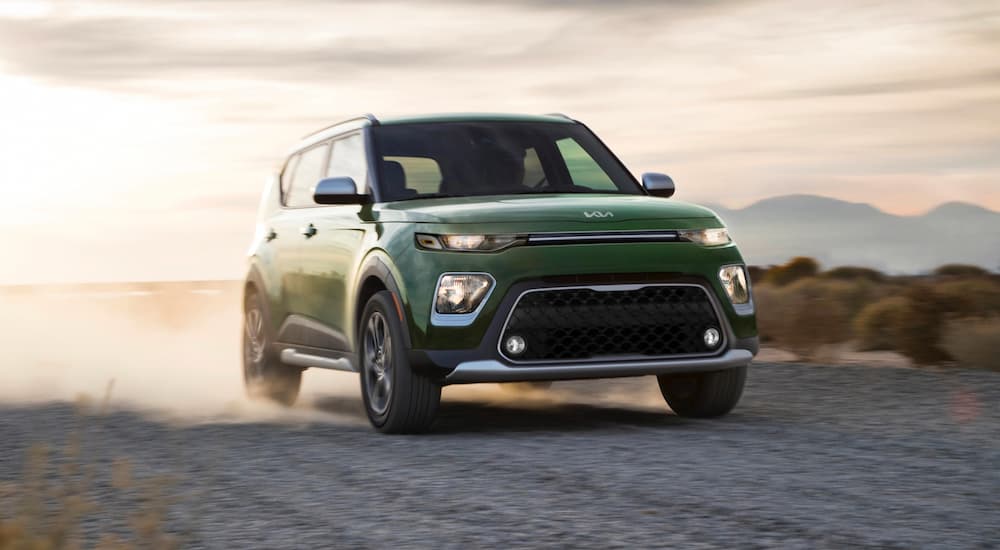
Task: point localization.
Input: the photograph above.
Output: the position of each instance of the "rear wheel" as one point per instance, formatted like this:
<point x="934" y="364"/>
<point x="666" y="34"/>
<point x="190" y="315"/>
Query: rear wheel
<point x="703" y="394"/>
<point x="397" y="399"/>
<point x="264" y="375"/>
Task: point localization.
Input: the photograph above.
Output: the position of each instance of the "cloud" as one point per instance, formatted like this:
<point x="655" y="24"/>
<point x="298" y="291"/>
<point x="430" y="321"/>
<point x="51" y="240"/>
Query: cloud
<point x="317" y="41"/>
<point x="96" y="51"/>
<point x="985" y="78"/>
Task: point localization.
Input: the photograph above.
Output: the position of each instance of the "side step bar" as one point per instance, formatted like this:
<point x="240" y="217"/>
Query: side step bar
<point x="290" y="356"/>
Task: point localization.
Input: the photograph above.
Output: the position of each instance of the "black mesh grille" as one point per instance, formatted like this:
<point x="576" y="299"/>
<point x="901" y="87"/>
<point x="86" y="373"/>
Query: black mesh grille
<point x="581" y="323"/>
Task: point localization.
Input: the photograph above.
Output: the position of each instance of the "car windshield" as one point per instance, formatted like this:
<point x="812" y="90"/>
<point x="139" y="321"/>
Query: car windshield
<point x="461" y="159"/>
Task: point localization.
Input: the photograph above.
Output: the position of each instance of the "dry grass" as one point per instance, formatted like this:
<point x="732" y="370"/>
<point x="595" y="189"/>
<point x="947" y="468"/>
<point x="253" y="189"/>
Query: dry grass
<point x="972" y="342"/>
<point x="47" y="508"/>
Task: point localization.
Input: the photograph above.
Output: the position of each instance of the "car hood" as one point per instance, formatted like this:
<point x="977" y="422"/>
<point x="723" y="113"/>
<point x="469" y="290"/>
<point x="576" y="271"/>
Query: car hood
<point x="592" y="208"/>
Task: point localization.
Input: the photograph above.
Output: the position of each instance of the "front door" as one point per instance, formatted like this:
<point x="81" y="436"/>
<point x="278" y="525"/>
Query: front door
<point x="331" y="255"/>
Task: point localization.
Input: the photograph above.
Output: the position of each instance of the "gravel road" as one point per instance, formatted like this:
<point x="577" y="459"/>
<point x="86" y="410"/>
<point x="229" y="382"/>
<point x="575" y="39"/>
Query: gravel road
<point x="814" y="456"/>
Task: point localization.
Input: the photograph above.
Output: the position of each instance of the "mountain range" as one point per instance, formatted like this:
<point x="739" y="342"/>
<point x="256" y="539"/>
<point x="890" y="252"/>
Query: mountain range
<point x="837" y="233"/>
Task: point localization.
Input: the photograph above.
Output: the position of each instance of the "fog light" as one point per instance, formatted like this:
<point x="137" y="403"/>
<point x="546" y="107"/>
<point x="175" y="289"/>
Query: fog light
<point x="461" y="293"/>
<point x="712" y="337"/>
<point x="515" y="345"/>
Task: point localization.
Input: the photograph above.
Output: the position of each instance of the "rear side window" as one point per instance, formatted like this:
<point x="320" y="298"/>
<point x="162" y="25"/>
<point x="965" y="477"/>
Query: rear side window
<point x="286" y="175"/>
<point x="583" y="169"/>
<point x="347" y="159"/>
<point x="308" y="171"/>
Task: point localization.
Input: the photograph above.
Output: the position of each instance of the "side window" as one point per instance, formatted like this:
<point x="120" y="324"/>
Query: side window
<point x="348" y="160"/>
<point x="308" y="172"/>
<point x="583" y="169"/>
<point x="420" y="174"/>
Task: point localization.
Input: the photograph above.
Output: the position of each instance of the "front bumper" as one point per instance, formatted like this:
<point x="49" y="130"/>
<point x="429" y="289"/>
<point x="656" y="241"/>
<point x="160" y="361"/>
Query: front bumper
<point x="492" y="370"/>
<point x="484" y="363"/>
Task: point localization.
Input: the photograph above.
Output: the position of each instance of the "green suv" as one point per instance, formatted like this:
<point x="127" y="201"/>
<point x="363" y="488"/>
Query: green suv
<point x="426" y="251"/>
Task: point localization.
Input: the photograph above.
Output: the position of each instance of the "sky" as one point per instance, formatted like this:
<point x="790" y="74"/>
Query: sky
<point x="135" y="137"/>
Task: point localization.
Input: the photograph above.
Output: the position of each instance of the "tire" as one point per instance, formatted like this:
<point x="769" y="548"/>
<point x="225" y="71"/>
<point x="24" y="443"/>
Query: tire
<point x="397" y="399"/>
<point x="264" y="375"/>
<point x="703" y="394"/>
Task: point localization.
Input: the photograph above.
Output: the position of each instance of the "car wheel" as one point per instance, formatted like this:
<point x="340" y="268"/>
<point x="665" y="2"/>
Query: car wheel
<point x="703" y="394"/>
<point x="397" y="399"/>
<point x="264" y="375"/>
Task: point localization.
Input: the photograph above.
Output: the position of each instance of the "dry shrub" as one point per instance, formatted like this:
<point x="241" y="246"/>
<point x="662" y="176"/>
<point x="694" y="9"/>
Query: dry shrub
<point x="876" y="324"/>
<point x="851" y="273"/>
<point x="919" y="329"/>
<point x="972" y="342"/>
<point x="961" y="270"/>
<point x="908" y="315"/>
<point x="797" y="268"/>
<point x="808" y="314"/>
<point x="978" y="297"/>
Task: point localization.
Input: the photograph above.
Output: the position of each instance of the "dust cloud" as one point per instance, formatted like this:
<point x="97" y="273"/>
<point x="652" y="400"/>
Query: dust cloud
<point x="174" y="349"/>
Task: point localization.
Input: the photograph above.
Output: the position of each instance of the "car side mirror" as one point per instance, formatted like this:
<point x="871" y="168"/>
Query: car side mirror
<point x="338" y="191"/>
<point x="658" y="185"/>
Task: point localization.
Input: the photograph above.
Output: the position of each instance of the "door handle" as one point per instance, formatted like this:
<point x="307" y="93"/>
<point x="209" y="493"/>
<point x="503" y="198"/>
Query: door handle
<point x="271" y="235"/>
<point x="308" y="231"/>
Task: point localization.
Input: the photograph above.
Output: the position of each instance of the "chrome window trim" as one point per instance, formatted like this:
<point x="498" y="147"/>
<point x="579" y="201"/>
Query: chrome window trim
<point x="349" y="125"/>
<point x="459" y="319"/>
<point x="723" y="326"/>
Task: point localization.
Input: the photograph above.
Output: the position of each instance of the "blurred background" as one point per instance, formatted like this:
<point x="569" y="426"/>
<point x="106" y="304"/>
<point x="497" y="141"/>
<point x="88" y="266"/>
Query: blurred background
<point x="852" y="147"/>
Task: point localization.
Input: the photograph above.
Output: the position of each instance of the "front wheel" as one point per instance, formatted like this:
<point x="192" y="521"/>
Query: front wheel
<point x="264" y="375"/>
<point x="703" y="394"/>
<point x="397" y="399"/>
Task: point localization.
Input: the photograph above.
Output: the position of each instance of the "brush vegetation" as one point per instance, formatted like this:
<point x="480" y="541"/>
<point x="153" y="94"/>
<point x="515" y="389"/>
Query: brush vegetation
<point x="950" y="315"/>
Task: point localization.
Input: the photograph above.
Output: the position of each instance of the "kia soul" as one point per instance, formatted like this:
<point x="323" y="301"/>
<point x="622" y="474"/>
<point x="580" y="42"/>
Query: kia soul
<point x="425" y="251"/>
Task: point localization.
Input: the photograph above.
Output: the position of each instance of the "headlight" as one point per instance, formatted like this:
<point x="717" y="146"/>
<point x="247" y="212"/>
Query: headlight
<point x="734" y="280"/>
<point x="465" y="243"/>
<point x="707" y="237"/>
<point x="461" y="292"/>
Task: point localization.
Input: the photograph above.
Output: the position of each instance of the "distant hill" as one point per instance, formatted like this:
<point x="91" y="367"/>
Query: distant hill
<point x="837" y="233"/>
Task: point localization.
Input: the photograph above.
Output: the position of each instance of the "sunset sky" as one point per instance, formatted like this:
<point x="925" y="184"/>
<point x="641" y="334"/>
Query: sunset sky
<point x="135" y="136"/>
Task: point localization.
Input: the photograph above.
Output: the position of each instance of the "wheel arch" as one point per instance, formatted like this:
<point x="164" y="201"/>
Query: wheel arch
<point x="255" y="283"/>
<point x="376" y="274"/>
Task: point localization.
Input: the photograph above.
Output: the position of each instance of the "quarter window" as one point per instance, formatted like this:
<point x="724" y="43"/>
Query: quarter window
<point x="308" y="171"/>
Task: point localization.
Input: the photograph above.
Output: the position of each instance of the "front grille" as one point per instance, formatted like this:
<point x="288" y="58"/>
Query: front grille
<point x="582" y="323"/>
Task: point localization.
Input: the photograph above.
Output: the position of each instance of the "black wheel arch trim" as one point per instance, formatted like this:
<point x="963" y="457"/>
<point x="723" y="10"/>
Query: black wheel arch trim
<point x="375" y="266"/>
